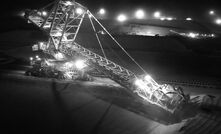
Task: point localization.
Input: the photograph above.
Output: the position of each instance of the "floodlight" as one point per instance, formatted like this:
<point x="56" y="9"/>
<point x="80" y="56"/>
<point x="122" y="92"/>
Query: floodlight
<point x="44" y="13"/>
<point x="192" y="35"/>
<point x="80" y="64"/>
<point x="79" y="10"/>
<point x="102" y="11"/>
<point x="69" y="3"/>
<point x="211" y="12"/>
<point x="188" y="18"/>
<point x="122" y="18"/>
<point x="162" y="18"/>
<point x="218" y="21"/>
<point x="148" y="78"/>
<point x="169" y="18"/>
<point x="157" y="14"/>
<point x="139" y="14"/>
<point x="139" y="83"/>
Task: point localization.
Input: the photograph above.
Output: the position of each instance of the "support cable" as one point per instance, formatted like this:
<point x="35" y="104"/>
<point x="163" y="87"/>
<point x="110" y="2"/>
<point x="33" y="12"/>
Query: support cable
<point x="118" y="43"/>
<point x="97" y="37"/>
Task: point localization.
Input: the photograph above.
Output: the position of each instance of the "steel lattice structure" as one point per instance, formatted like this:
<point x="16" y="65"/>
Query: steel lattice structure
<point x="62" y="25"/>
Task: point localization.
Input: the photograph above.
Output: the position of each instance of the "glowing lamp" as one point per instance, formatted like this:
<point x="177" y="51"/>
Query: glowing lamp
<point x="102" y="11"/>
<point x="218" y="21"/>
<point x="188" y="18"/>
<point x="192" y="35"/>
<point x="80" y="64"/>
<point x="122" y="18"/>
<point x="44" y="13"/>
<point x="169" y="18"/>
<point x="162" y="18"/>
<point x="211" y="12"/>
<point x="157" y="14"/>
<point x="139" y="14"/>
<point x="148" y="78"/>
<point x="140" y="84"/>
<point x="79" y="11"/>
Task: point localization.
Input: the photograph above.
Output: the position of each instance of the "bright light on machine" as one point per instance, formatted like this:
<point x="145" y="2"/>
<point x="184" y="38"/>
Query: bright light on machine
<point x="218" y="21"/>
<point x="211" y="12"/>
<point x="68" y="3"/>
<point x="79" y="10"/>
<point x="139" y="14"/>
<point x="140" y="84"/>
<point x="68" y="64"/>
<point x="59" y="56"/>
<point x="80" y="64"/>
<point x="157" y="14"/>
<point x="121" y="18"/>
<point x="102" y="11"/>
<point x="148" y="78"/>
<point x="89" y="15"/>
<point x="21" y="13"/>
<point x="31" y="58"/>
<point x="44" y="13"/>
<point x="188" y="18"/>
<point x="37" y="57"/>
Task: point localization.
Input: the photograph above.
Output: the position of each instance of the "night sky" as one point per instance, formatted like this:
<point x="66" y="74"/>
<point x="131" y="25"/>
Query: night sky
<point x="188" y="7"/>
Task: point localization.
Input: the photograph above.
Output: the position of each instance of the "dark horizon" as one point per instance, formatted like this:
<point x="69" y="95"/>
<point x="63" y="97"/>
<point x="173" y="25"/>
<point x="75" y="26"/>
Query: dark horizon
<point x="177" y="8"/>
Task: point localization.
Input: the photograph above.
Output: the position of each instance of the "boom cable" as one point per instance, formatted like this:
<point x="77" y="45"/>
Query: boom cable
<point x="97" y="37"/>
<point x="117" y="43"/>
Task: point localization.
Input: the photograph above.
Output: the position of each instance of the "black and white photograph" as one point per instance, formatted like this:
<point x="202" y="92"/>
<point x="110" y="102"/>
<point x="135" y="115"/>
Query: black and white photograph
<point x="110" y="67"/>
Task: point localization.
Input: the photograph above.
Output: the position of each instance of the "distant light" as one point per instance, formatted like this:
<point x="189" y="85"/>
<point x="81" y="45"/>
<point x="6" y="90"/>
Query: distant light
<point x="218" y="21"/>
<point x="44" y="13"/>
<point x="192" y="35"/>
<point x="102" y="11"/>
<point x="169" y="18"/>
<point x="80" y="64"/>
<point x="162" y="18"/>
<point x="37" y="56"/>
<point x="122" y="18"/>
<point x="211" y="12"/>
<point x="79" y="11"/>
<point x="188" y="18"/>
<point x="31" y="58"/>
<point x="139" y="14"/>
<point x="157" y="14"/>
